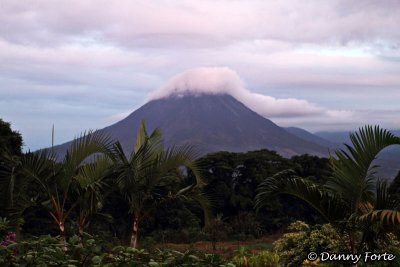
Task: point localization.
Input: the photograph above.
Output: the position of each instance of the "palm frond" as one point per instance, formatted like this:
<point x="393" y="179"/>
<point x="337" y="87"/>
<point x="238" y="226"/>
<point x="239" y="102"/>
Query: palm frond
<point x="329" y="205"/>
<point x="187" y="156"/>
<point x="93" y="173"/>
<point x="87" y="144"/>
<point x="41" y="167"/>
<point x="352" y="170"/>
<point x="205" y="202"/>
<point x="386" y="207"/>
<point x="8" y="180"/>
<point x="116" y="154"/>
<point x="383" y="216"/>
<point x="142" y="136"/>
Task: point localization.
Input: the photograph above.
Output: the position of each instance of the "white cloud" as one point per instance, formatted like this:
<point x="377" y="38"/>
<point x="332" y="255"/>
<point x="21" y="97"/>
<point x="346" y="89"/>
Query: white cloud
<point x="223" y="80"/>
<point x="215" y="80"/>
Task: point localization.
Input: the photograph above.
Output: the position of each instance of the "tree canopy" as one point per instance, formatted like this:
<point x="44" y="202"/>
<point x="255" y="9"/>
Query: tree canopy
<point x="10" y="140"/>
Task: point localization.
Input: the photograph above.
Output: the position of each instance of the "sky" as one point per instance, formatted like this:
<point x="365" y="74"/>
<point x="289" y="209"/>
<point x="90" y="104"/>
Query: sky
<point x="320" y="65"/>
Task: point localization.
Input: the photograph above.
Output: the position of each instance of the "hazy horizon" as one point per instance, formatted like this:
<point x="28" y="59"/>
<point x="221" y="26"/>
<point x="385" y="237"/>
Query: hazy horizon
<point x="321" y="66"/>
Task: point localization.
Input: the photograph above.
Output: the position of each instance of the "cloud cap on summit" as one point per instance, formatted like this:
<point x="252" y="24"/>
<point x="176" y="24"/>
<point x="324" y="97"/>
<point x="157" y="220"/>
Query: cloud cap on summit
<point x="224" y="80"/>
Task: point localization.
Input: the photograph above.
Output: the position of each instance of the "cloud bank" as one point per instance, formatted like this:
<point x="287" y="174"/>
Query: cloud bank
<point x="321" y="65"/>
<point x="197" y="23"/>
<point x="223" y="80"/>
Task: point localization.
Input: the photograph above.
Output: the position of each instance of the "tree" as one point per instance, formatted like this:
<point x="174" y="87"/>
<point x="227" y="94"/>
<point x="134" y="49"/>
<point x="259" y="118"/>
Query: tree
<point x="90" y="189"/>
<point x="232" y="180"/>
<point x="72" y="172"/>
<point x="10" y="152"/>
<point x="10" y="141"/>
<point x="351" y="199"/>
<point x="41" y="171"/>
<point x="152" y="176"/>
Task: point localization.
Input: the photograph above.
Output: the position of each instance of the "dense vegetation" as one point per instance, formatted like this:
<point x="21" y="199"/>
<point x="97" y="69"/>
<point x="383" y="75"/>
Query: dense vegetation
<point x="97" y="205"/>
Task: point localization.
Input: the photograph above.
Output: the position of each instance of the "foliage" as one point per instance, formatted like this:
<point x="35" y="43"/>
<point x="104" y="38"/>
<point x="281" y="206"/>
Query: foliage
<point x="123" y="256"/>
<point x="394" y="188"/>
<point x="153" y="176"/>
<point x="39" y="180"/>
<point x="8" y="239"/>
<point x="247" y="224"/>
<point x="216" y="230"/>
<point x="47" y="251"/>
<point x="10" y="140"/>
<point x="183" y="235"/>
<point x="10" y="151"/>
<point x="294" y="246"/>
<point x="232" y="180"/>
<point x="84" y="192"/>
<point x="97" y="188"/>
<point x="244" y="258"/>
<point x="264" y="259"/>
<point x="90" y="190"/>
<point x="175" y="216"/>
<point x="4" y="226"/>
<point x="311" y="166"/>
<point x="351" y="199"/>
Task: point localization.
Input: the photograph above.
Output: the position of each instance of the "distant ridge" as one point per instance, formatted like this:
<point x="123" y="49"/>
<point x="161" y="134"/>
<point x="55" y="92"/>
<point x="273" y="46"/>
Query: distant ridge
<point x="388" y="159"/>
<point x="305" y="135"/>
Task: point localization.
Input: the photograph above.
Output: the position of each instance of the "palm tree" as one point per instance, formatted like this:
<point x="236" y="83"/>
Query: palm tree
<point x="352" y="199"/>
<point x="56" y="178"/>
<point x="18" y="184"/>
<point x="90" y="189"/>
<point x="68" y="172"/>
<point x="148" y="178"/>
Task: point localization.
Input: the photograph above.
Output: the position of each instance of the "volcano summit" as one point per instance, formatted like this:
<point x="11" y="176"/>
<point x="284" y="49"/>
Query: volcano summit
<point x="201" y="108"/>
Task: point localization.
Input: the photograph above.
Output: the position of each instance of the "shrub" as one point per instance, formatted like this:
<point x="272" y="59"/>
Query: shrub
<point x="264" y="259"/>
<point x="127" y="256"/>
<point x="244" y="258"/>
<point x="4" y="227"/>
<point x="294" y="246"/>
<point x="49" y="251"/>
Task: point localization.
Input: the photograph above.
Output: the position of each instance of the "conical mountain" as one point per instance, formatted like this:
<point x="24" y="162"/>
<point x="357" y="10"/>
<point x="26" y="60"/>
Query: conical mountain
<point x="210" y="122"/>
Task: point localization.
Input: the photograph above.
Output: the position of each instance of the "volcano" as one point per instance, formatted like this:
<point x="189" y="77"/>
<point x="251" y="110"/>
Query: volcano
<point x="211" y="123"/>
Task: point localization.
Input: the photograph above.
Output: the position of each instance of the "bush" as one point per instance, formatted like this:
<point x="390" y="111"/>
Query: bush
<point x="50" y="251"/>
<point x="124" y="256"/>
<point x="264" y="259"/>
<point x="293" y="247"/>
<point x="6" y="236"/>
<point x="10" y="238"/>
<point x="244" y="258"/>
<point x="5" y="227"/>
